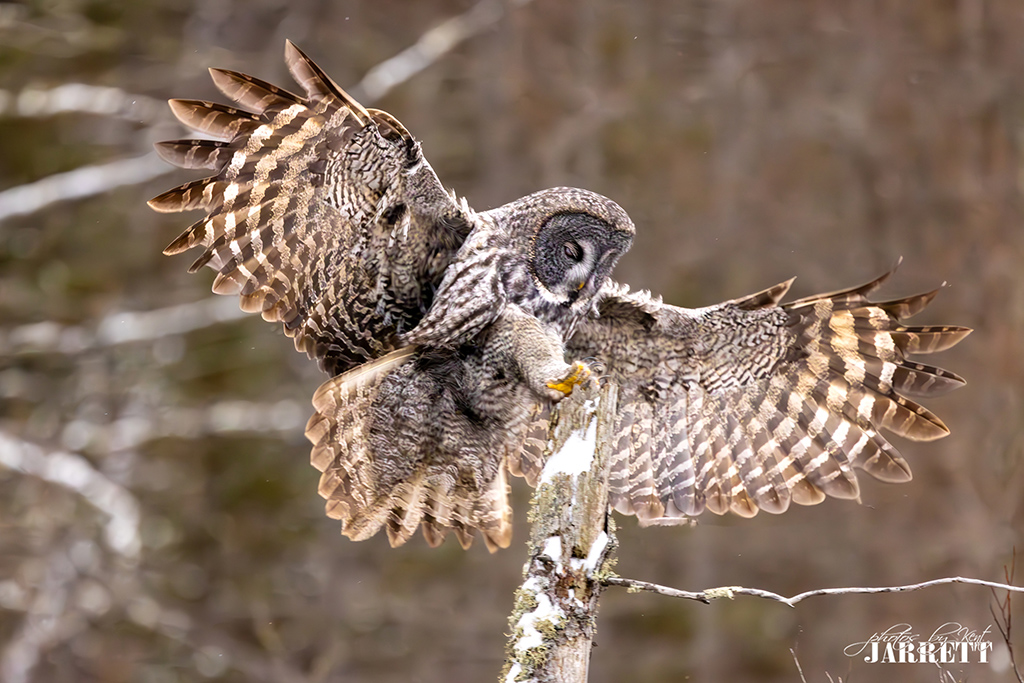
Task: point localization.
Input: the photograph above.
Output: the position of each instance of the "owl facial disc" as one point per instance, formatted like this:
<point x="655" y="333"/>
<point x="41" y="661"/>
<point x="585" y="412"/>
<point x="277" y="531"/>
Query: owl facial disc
<point x="573" y="254"/>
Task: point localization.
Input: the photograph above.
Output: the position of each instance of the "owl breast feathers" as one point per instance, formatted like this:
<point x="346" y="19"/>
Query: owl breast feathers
<point x="451" y="335"/>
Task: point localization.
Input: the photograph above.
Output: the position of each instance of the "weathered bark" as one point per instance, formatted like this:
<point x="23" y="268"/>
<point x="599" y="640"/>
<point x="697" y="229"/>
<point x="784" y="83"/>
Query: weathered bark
<point x="571" y="547"/>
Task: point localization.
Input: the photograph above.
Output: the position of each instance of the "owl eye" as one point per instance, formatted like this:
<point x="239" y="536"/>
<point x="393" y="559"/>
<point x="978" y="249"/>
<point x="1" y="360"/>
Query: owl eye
<point x="573" y="251"/>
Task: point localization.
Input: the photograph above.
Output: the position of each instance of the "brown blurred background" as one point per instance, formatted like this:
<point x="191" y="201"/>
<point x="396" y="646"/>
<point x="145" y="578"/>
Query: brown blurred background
<point x="158" y="516"/>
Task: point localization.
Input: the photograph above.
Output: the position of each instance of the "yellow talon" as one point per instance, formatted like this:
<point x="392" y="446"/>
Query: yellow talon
<point x="579" y="374"/>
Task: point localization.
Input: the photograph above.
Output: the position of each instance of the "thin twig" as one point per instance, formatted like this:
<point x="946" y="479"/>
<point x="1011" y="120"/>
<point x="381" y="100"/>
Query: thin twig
<point x="1004" y="620"/>
<point x="706" y="596"/>
<point x="799" y="669"/>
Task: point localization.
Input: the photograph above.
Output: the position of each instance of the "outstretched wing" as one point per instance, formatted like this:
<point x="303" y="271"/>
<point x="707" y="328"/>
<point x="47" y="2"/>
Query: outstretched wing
<point x="753" y="405"/>
<point x="321" y="214"/>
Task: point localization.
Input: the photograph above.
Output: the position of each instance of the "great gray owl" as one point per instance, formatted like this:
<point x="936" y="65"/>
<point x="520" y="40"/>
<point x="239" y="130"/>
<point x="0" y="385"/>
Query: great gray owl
<point x="452" y="333"/>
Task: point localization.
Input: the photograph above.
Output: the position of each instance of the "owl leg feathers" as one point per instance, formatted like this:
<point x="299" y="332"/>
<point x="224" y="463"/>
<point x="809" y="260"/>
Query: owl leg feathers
<point x="538" y="354"/>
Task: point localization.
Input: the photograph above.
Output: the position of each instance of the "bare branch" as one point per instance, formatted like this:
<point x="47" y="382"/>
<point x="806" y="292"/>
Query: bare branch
<point x="128" y="326"/>
<point x="224" y="417"/>
<point x="74" y="472"/>
<point x="82" y="182"/>
<point x="121" y="327"/>
<point x="706" y="596"/>
<point x="131" y="431"/>
<point x="379" y="80"/>
<point x="81" y="98"/>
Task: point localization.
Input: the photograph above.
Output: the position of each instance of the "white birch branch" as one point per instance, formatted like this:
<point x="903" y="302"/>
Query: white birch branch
<point x="81" y="182"/>
<point x="81" y="98"/>
<point x="121" y="327"/>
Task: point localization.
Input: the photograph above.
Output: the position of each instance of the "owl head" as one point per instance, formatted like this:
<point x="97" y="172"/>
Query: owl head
<point x="574" y="239"/>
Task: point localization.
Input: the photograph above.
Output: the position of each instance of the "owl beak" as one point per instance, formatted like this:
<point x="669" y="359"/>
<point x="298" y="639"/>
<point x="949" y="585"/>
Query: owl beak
<point x="574" y="296"/>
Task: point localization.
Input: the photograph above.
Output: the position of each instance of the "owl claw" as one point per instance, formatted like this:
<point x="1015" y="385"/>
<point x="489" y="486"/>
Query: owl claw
<point x="579" y="373"/>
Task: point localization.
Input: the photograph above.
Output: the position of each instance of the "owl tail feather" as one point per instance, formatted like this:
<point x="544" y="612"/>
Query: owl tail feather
<point x="528" y="461"/>
<point x="389" y="480"/>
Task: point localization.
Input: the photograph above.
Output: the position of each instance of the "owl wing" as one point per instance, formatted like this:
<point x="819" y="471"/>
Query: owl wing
<point x="321" y="215"/>
<point x="753" y="405"/>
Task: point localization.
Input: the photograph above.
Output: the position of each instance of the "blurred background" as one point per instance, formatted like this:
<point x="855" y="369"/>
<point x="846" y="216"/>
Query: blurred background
<point x="159" y="520"/>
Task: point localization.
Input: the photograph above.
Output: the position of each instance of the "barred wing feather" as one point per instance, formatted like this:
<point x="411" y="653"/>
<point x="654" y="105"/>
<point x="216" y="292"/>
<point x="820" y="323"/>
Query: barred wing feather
<point x="322" y="215"/>
<point x="752" y="405"/>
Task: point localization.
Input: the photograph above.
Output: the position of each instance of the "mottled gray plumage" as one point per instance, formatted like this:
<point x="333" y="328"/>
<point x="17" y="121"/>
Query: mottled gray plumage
<point x="453" y="334"/>
<point x="425" y="433"/>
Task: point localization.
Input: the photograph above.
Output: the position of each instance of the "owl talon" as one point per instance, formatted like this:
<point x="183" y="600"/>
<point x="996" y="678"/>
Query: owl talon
<point x="579" y="373"/>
